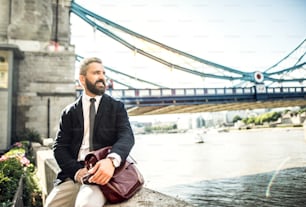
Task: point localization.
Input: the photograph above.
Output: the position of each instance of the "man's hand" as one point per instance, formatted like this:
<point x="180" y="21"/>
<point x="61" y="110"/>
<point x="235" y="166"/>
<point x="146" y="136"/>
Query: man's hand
<point x="102" y="172"/>
<point x="80" y="174"/>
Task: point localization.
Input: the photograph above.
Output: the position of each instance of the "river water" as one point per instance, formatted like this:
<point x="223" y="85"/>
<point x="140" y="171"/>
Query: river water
<point x="258" y="167"/>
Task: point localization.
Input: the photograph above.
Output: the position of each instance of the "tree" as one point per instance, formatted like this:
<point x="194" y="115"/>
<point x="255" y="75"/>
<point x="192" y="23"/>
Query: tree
<point x="236" y="118"/>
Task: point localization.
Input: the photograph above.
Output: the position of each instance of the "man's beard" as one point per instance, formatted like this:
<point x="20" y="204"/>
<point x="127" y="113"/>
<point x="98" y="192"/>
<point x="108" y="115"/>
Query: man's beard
<point x="93" y="88"/>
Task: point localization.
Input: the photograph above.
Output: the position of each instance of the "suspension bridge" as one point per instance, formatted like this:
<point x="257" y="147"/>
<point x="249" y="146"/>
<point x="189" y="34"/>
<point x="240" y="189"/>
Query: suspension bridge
<point x="281" y="85"/>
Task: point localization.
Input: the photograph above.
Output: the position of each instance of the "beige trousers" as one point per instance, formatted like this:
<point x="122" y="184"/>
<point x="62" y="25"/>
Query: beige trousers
<point x="71" y="194"/>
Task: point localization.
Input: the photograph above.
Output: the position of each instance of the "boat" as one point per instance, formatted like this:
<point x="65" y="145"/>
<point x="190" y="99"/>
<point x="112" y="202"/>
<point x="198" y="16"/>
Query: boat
<point x="198" y="135"/>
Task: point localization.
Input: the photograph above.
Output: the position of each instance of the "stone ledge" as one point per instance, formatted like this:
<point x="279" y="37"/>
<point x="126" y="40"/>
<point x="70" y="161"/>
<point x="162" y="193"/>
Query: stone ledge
<point x="150" y="198"/>
<point x="47" y="169"/>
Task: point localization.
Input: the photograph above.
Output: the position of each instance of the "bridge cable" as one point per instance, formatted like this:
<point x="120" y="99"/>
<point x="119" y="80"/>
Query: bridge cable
<point x="160" y="60"/>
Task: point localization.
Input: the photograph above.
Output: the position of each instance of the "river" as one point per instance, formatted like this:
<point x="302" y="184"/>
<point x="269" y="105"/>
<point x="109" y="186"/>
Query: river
<point x="258" y="167"/>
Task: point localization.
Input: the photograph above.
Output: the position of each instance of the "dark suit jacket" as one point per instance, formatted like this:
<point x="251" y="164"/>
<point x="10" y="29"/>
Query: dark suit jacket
<point x="112" y="128"/>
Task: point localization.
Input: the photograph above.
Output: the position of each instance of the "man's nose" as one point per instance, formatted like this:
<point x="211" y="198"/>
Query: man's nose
<point x="101" y="76"/>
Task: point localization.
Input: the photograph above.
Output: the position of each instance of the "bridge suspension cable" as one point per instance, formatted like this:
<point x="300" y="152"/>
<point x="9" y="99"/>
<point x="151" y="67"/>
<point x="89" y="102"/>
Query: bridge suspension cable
<point x="79" y="58"/>
<point x="209" y="69"/>
<point x="299" y="50"/>
<point x="87" y="16"/>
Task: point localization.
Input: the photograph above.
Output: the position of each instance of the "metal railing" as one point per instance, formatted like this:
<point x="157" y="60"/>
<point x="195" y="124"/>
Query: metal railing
<point x="179" y="96"/>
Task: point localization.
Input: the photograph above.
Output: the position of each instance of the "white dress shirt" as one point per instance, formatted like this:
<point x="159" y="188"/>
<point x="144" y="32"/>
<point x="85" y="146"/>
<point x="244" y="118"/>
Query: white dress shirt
<point x="84" y="150"/>
<point x="86" y="104"/>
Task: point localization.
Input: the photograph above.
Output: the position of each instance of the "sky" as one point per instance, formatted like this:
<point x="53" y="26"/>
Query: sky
<point x="242" y="34"/>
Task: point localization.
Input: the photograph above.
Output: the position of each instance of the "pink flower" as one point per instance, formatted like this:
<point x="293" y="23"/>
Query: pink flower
<point x="3" y="158"/>
<point x="24" y="161"/>
<point x="18" y="144"/>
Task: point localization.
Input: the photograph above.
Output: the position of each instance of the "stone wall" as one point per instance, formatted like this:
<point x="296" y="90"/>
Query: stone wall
<point x="43" y="82"/>
<point x="3" y="118"/>
<point x="4" y="20"/>
<point x="44" y="77"/>
<point x="39" y="20"/>
<point x="39" y="13"/>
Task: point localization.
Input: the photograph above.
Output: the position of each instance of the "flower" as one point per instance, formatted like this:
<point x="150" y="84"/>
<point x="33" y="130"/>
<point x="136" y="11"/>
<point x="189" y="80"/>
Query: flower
<point x="17" y="144"/>
<point x="3" y="158"/>
<point x="24" y="161"/>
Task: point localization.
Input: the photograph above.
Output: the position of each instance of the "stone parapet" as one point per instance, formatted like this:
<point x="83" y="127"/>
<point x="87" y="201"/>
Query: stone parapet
<point x="47" y="169"/>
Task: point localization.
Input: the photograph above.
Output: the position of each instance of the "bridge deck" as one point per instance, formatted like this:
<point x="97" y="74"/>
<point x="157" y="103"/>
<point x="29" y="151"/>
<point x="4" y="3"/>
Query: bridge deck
<point x="193" y="100"/>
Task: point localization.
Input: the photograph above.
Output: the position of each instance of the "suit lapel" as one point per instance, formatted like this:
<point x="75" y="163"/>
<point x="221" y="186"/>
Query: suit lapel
<point x="103" y="106"/>
<point x="79" y="110"/>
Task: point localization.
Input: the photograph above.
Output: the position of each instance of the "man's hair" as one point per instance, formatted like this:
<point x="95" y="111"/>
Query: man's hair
<point x="86" y="62"/>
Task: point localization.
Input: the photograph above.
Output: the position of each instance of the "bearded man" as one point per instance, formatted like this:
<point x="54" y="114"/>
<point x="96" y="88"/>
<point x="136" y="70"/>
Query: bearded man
<point x="93" y="121"/>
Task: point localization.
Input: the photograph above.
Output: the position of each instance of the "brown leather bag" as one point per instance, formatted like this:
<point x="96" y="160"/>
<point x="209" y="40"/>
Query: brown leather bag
<point x="126" y="181"/>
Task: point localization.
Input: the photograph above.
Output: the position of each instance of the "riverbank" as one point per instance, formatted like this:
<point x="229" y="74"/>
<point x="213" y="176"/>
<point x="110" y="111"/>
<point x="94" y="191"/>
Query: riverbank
<point x="220" y="129"/>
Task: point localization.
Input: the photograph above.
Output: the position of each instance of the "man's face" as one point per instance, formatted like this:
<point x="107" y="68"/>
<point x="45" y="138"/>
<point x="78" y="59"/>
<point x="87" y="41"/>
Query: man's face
<point x="94" y="81"/>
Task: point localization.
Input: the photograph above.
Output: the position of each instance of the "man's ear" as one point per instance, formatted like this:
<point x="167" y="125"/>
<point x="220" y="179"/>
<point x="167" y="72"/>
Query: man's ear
<point x="82" y="79"/>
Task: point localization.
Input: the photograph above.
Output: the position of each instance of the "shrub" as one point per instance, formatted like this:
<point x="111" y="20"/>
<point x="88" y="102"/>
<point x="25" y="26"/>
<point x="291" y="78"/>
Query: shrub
<point x="14" y="164"/>
<point x="29" y="135"/>
<point x="236" y="118"/>
<point x="10" y="173"/>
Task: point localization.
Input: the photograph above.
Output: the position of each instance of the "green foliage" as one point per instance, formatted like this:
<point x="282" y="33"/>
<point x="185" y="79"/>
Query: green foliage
<point x="165" y="128"/>
<point x="6" y="204"/>
<point x="14" y="165"/>
<point x="302" y="110"/>
<point x="148" y="129"/>
<point x="250" y="120"/>
<point x="263" y="118"/>
<point x="32" y="195"/>
<point x="236" y="118"/>
<point x="29" y="135"/>
<point x="10" y="173"/>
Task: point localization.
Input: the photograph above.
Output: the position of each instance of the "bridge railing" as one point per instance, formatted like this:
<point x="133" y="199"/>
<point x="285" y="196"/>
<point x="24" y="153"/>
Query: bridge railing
<point x="119" y="93"/>
<point x="177" y="96"/>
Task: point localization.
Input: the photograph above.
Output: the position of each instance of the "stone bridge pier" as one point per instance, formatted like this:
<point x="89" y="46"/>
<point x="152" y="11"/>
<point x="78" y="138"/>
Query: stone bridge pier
<point x="37" y="67"/>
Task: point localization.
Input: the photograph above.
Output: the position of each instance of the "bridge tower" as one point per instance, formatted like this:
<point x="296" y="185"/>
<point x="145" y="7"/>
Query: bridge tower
<point x="36" y="67"/>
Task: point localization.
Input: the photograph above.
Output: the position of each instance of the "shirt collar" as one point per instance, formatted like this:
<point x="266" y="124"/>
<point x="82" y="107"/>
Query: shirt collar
<point x="87" y="98"/>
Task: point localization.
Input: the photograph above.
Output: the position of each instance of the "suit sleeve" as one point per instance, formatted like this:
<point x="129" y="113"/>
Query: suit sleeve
<point x="125" y="137"/>
<point x="65" y="147"/>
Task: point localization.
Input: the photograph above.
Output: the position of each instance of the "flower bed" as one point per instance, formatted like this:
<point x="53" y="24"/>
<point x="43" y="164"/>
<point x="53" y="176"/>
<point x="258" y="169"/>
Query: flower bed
<point x="14" y="165"/>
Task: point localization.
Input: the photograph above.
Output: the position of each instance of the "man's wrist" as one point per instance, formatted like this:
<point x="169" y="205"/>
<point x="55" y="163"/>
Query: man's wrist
<point x="116" y="159"/>
<point x="114" y="162"/>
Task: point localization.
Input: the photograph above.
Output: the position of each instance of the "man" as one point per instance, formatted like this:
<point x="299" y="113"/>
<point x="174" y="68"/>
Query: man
<point x="73" y="141"/>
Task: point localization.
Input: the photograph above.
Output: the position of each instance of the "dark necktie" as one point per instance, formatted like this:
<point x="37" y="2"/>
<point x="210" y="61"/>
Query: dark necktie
<point x="92" y="115"/>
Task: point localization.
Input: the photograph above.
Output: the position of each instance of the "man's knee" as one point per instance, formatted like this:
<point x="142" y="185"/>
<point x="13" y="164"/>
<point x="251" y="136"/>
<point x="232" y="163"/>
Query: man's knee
<point x="90" y="196"/>
<point x="63" y="195"/>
